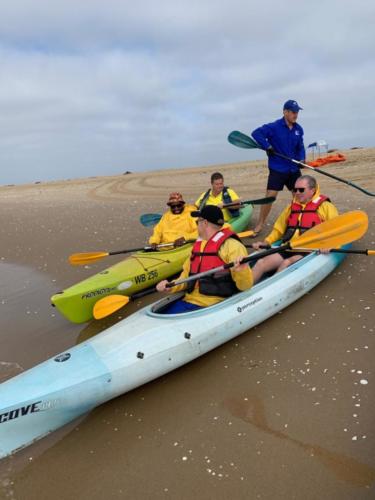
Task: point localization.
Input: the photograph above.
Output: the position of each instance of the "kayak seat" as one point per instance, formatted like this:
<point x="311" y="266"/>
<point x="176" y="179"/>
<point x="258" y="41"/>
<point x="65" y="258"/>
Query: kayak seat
<point x="163" y="303"/>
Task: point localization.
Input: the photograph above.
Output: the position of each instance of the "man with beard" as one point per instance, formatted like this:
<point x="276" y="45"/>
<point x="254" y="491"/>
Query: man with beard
<point x="176" y="226"/>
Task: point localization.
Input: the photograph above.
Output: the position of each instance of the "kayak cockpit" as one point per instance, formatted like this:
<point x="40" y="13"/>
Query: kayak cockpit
<point x="160" y="305"/>
<point x="157" y="309"/>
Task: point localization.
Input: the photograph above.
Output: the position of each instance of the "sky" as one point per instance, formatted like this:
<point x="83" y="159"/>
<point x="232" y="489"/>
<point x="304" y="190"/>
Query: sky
<point x="103" y="87"/>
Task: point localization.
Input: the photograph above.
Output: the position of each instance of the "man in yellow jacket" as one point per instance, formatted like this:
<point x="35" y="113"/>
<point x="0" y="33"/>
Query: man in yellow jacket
<point x="307" y="209"/>
<point x="176" y="226"/>
<point x="216" y="245"/>
<point x="219" y="195"/>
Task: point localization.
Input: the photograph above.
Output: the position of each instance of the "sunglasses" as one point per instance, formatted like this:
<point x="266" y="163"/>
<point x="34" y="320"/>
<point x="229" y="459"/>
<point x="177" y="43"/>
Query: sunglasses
<point x="300" y="190"/>
<point x="177" y="205"/>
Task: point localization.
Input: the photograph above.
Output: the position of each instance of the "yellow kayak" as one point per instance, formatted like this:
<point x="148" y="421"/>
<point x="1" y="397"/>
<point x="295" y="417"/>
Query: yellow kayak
<point x="137" y="272"/>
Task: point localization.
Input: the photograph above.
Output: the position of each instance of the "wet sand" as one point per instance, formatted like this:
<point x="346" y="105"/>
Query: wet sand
<point x="280" y="412"/>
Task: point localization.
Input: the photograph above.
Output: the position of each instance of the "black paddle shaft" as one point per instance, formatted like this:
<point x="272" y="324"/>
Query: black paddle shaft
<point x="118" y="252"/>
<point x="343" y="250"/>
<point x="340" y="179"/>
<point x="250" y="258"/>
<point x="244" y="141"/>
<point x="260" y="201"/>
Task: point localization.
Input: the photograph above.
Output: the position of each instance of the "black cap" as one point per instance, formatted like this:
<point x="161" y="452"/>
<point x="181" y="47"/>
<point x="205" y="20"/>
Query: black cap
<point x="211" y="213"/>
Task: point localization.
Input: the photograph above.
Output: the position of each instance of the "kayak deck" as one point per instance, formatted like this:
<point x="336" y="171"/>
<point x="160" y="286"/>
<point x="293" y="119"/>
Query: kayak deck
<point x="137" y="272"/>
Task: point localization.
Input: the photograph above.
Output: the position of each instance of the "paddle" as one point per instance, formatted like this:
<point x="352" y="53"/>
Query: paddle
<point x="259" y="201"/>
<point x="336" y="232"/>
<point x="337" y="250"/>
<point x="244" y="141"/>
<point x="332" y="250"/>
<point x="80" y="259"/>
<point x="149" y="220"/>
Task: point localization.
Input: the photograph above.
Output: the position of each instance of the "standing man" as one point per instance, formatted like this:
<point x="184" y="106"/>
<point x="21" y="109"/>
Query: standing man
<point x="219" y="195"/>
<point x="283" y="136"/>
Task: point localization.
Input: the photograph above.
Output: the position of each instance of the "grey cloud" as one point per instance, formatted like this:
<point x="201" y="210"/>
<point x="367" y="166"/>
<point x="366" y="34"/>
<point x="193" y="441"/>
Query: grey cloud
<point x="90" y="88"/>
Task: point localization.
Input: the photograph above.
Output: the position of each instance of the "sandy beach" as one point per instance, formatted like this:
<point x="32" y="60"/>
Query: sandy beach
<point x="278" y="413"/>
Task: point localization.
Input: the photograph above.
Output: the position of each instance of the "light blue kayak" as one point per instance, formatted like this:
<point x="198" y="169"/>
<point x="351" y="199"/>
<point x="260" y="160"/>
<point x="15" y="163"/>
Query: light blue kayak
<point x="138" y="349"/>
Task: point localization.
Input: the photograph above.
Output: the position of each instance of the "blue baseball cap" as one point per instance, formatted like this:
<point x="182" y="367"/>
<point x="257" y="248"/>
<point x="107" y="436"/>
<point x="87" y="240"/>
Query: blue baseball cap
<point x="292" y="106"/>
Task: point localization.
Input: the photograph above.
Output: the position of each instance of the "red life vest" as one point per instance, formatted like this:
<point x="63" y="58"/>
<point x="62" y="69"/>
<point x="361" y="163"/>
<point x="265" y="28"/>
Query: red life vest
<point x="308" y="219"/>
<point x="221" y="284"/>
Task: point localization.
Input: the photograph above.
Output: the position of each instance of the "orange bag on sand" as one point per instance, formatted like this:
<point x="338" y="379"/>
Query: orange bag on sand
<point x="319" y="162"/>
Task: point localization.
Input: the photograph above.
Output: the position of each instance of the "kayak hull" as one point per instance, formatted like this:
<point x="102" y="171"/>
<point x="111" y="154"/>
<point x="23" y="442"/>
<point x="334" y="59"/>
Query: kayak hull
<point x="139" y="349"/>
<point x="139" y="271"/>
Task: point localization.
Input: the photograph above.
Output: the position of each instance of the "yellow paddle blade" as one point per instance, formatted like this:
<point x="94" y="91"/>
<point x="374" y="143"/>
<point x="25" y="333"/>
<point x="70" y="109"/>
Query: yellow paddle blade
<point x="80" y="259"/>
<point x="245" y="234"/>
<point x="108" y="305"/>
<point x="334" y="233"/>
<point x="370" y="252"/>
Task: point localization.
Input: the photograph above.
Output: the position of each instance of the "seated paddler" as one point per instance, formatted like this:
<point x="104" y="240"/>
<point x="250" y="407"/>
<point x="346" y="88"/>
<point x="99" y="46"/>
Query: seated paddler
<point x="216" y="245"/>
<point x="219" y="195"/>
<point x="308" y="208"/>
<point x="176" y="225"/>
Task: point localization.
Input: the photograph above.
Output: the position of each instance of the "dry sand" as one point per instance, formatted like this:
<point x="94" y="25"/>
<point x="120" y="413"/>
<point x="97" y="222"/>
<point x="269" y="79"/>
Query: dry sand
<point x="277" y="413"/>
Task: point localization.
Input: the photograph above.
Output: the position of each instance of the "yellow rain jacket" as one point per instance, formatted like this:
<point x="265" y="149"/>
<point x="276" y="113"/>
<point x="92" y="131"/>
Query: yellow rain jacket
<point x="229" y="250"/>
<point x="326" y="211"/>
<point x="216" y="200"/>
<point x="173" y="226"/>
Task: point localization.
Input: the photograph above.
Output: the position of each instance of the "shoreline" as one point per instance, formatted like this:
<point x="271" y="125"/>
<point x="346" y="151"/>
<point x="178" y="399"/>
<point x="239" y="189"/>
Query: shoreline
<point x="299" y="370"/>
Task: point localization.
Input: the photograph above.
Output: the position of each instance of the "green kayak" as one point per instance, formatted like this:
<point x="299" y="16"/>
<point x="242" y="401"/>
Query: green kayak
<point x="137" y="272"/>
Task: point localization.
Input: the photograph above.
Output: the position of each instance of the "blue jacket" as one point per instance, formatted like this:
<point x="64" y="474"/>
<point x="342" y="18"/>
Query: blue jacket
<point x="284" y="140"/>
